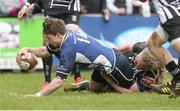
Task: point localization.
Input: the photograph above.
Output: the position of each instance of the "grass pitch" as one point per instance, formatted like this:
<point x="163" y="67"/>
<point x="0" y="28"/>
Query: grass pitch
<point x="14" y="85"/>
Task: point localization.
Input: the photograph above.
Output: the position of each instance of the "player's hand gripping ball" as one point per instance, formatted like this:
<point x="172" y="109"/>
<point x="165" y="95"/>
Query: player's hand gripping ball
<point x="26" y="61"/>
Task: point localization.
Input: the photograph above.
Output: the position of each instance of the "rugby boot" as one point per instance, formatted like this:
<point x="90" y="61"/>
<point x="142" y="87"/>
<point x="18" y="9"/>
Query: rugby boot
<point x="83" y="85"/>
<point x="175" y="89"/>
<point x="175" y="83"/>
<point x="162" y="88"/>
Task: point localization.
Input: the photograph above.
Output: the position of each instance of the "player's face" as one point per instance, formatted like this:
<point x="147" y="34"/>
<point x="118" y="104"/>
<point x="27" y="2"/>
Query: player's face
<point x="139" y="61"/>
<point x="52" y="39"/>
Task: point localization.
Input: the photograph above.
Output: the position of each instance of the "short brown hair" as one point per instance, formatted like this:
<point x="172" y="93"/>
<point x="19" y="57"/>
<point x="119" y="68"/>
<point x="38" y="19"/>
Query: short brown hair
<point x="54" y="26"/>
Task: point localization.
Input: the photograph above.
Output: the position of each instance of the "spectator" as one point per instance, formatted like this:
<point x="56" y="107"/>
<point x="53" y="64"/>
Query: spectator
<point x="138" y="8"/>
<point x="94" y="6"/>
<point x="10" y="7"/>
<point x="141" y="8"/>
<point x="117" y="6"/>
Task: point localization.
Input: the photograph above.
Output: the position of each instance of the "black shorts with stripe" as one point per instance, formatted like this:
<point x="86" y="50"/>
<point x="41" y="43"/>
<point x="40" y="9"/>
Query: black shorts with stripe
<point x="123" y="74"/>
<point x="172" y="27"/>
<point x="68" y="17"/>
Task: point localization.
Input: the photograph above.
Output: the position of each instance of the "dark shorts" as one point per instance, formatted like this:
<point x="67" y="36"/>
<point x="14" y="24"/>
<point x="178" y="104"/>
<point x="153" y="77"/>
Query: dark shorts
<point x="172" y="27"/>
<point x="69" y="18"/>
<point x="123" y="74"/>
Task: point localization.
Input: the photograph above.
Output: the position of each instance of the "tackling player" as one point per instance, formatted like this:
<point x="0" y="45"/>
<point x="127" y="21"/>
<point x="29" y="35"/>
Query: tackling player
<point x="147" y="69"/>
<point x="167" y="31"/>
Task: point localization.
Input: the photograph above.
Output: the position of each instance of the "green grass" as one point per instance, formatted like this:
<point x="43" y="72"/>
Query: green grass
<point x="12" y="85"/>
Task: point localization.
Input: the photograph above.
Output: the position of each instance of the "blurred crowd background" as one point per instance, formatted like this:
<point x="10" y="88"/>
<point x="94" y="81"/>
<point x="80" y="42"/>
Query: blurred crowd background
<point x="104" y="7"/>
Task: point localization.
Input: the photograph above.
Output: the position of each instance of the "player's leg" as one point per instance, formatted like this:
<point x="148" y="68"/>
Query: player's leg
<point x="47" y="67"/>
<point x="170" y="33"/>
<point x="96" y="86"/>
<point x="76" y="72"/>
<point x="176" y="45"/>
<point x="97" y="83"/>
<point x="155" y="46"/>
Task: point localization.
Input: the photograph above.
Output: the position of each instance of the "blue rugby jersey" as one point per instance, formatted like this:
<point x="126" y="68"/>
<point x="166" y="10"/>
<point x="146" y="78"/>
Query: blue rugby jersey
<point x="78" y="48"/>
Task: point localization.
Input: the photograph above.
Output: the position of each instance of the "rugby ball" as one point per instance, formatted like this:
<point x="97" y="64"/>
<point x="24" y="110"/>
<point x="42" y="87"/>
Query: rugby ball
<point x="27" y="61"/>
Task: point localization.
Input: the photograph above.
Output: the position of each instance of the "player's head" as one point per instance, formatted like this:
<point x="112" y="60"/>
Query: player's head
<point x="53" y="31"/>
<point x="146" y="61"/>
<point x="54" y="26"/>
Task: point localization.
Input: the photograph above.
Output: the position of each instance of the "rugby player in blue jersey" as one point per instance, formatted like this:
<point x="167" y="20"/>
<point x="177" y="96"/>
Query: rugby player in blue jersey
<point x="72" y="47"/>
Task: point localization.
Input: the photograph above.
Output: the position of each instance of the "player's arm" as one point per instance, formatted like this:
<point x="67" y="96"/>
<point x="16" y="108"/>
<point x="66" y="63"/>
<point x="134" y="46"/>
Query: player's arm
<point x="39" y="52"/>
<point x="61" y="74"/>
<point x="124" y="48"/>
<point x="118" y="88"/>
<point x="55" y="84"/>
<point x="67" y="60"/>
<point x="135" y="48"/>
<point x="25" y="8"/>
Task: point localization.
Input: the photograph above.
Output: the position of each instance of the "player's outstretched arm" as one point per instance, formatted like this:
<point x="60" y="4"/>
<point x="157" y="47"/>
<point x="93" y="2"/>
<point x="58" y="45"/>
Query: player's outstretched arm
<point x="124" y="48"/>
<point x="53" y="86"/>
<point x="39" y="52"/>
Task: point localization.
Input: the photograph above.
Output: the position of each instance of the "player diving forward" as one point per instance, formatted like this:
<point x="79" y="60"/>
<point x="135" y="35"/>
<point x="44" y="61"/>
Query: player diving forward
<point x="73" y="47"/>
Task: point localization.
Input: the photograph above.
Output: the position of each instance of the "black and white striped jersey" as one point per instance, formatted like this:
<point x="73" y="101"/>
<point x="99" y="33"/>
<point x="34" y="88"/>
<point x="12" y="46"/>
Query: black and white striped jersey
<point x="63" y="5"/>
<point x="167" y="9"/>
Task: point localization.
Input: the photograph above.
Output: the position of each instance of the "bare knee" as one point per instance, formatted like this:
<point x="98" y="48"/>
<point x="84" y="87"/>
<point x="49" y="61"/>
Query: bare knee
<point x="153" y="41"/>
